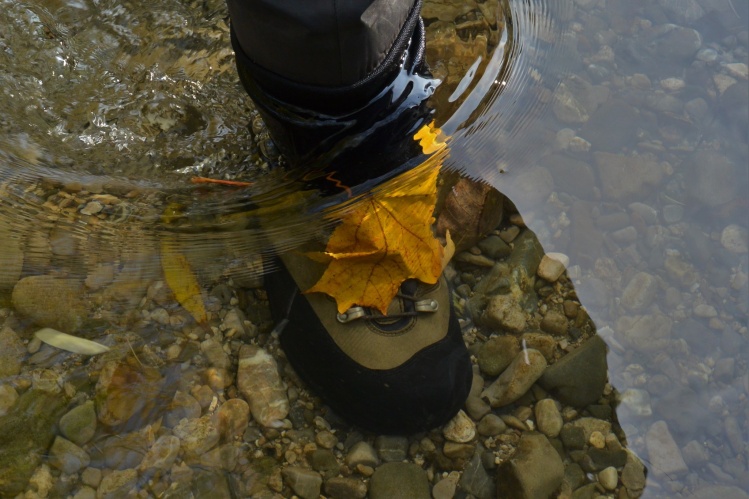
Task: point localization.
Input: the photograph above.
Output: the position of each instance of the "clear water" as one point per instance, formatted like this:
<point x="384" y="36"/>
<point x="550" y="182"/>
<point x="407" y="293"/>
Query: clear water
<point x="618" y="129"/>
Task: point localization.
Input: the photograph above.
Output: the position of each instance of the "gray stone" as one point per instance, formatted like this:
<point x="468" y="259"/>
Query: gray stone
<point x="475" y="480"/>
<point x="640" y="291"/>
<point x="571" y="176"/>
<point x="555" y="322"/>
<point x="345" y="488"/>
<point x="444" y="489"/>
<point x="305" y="483"/>
<point x="260" y="383"/>
<point x="624" y="177"/>
<point x="476" y="407"/>
<point x="12" y="353"/>
<point x="494" y="247"/>
<point x="503" y="313"/>
<point x="399" y="480"/>
<point x="391" y="448"/>
<point x="534" y="471"/>
<point x="68" y="457"/>
<point x="361" y="453"/>
<point x="51" y="302"/>
<point x="491" y="425"/>
<point x="497" y="353"/>
<point x="695" y="454"/>
<point x="458" y="453"/>
<point x="645" y="333"/>
<point x="579" y="377"/>
<point x="548" y="418"/>
<point x="324" y="461"/>
<point x="517" y="379"/>
<point x="676" y="43"/>
<point x="79" y="424"/>
<point x="604" y="137"/>
<point x="664" y="454"/>
<point x="711" y="178"/>
<point x="633" y="475"/>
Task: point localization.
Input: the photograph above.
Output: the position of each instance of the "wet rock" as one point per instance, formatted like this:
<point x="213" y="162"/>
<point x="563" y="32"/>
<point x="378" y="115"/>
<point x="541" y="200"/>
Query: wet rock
<point x="124" y="392"/>
<point x="497" y="353"/>
<point x="645" y="333"/>
<point x="11" y="259"/>
<point x="222" y="457"/>
<point x="476" y="407"/>
<point x="599" y="132"/>
<point x="471" y="210"/>
<point x="555" y="322"/>
<point x="491" y="425"/>
<point x="12" y="353"/>
<point x="636" y="401"/>
<point x="67" y="457"/>
<point x="51" y="302"/>
<point x="734" y="435"/>
<point x="494" y="247"/>
<point x="197" y="435"/>
<point x="232" y="418"/>
<point x="712" y="178"/>
<point x="183" y="406"/>
<point x="624" y="177"/>
<point x="444" y="489"/>
<point x="391" y="448"/>
<point x="79" y="424"/>
<point x="734" y="239"/>
<point x="362" y="453"/>
<point x="162" y="454"/>
<point x="548" y="418"/>
<point x="345" y="488"/>
<point x="552" y="266"/>
<point x="260" y="383"/>
<point x="640" y="291"/>
<point x="664" y="454"/>
<point x="475" y="480"/>
<point x="458" y="453"/>
<point x="214" y="352"/>
<point x="399" y="480"/>
<point x="571" y="176"/>
<point x="633" y="475"/>
<point x="536" y="470"/>
<point x="567" y="107"/>
<point x="42" y="481"/>
<point x="8" y="397"/>
<point x="28" y="430"/>
<point x="503" y="313"/>
<point x="460" y="428"/>
<point x="117" y="484"/>
<point x="608" y="478"/>
<point x="676" y="43"/>
<point x="578" y="378"/>
<point x="324" y="461"/>
<point x="695" y="454"/>
<point x="517" y="379"/>
<point x="126" y="451"/>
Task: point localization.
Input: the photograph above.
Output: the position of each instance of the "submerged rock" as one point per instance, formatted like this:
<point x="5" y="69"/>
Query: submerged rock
<point x="578" y="378"/>
<point x="535" y="471"/>
<point x="51" y="302"/>
<point x="261" y="385"/>
<point x="517" y="379"/>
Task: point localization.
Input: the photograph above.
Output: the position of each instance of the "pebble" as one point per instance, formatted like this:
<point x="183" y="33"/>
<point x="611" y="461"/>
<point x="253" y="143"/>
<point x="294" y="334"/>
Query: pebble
<point x="79" y="424"/>
<point x="738" y="69"/>
<point x="391" y="448"/>
<point x="475" y="480"/>
<point x="734" y="238"/>
<point x="552" y="266"/>
<point x="197" y="435"/>
<point x="633" y="475"/>
<point x="345" y="488"/>
<point x="399" y="480"/>
<point x="597" y="440"/>
<point x="444" y="489"/>
<point x="8" y="397"/>
<point x="548" y="418"/>
<point x="517" y="379"/>
<point x="260" y="383"/>
<point x="117" y="484"/>
<point x="68" y="457"/>
<point x="11" y="353"/>
<point x="183" y="406"/>
<point x="665" y="456"/>
<point x="672" y="84"/>
<point x="608" y="478"/>
<point x="232" y="418"/>
<point x="535" y="470"/>
<point x="42" y="480"/>
<point x="578" y="378"/>
<point x="51" y="302"/>
<point x="361" y="453"/>
<point x="460" y="428"/>
<point x="491" y="425"/>
<point x="162" y="454"/>
<point x="640" y="291"/>
<point x="556" y="323"/>
<point x="222" y="457"/>
<point x="497" y="353"/>
<point x="503" y="313"/>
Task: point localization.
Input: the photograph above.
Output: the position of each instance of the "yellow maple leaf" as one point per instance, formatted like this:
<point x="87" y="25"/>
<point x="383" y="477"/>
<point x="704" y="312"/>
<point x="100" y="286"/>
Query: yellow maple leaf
<point x="384" y="240"/>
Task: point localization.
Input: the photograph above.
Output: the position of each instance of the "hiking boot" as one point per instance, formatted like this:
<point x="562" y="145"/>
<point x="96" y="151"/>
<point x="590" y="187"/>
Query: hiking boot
<point x="402" y="373"/>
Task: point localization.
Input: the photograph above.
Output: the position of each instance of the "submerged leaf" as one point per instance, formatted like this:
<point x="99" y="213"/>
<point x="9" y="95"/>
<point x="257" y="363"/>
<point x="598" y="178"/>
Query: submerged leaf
<point x="70" y="343"/>
<point x="181" y="280"/>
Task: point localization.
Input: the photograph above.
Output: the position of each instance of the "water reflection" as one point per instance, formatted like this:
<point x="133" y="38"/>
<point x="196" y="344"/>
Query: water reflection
<point x="617" y="130"/>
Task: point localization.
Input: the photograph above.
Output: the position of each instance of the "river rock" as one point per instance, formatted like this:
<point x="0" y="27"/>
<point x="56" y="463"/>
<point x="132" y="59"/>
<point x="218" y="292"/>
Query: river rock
<point x="391" y="448"/>
<point x="578" y="378"/>
<point x="639" y="291"/>
<point x="345" y="488"/>
<point x="475" y="480"/>
<point x="471" y="210"/>
<point x="633" y="475"/>
<point x="260" y="383"/>
<point x="232" y="418"/>
<point x="503" y="313"/>
<point x="497" y="353"/>
<point x="712" y="178"/>
<point x="51" y="302"/>
<point x="117" y="484"/>
<point x="734" y="239"/>
<point x="162" y="454"/>
<point x="623" y="177"/>
<point x="11" y="258"/>
<point x="645" y="333"/>
<point x="548" y="418"/>
<point x="67" y="457"/>
<point x="182" y="406"/>
<point x="491" y="425"/>
<point x="517" y="379"/>
<point x="12" y="353"/>
<point x="222" y="457"/>
<point x="665" y="456"/>
<point x="8" y="397"/>
<point x="362" y="453"/>
<point x="79" y="424"/>
<point x="197" y="435"/>
<point x="460" y="428"/>
<point x="677" y="43"/>
<point x="399" y="480"/>
<point x="719" y="491"/>
<point x="552" y="266"/>
<point x="535" y="471"/>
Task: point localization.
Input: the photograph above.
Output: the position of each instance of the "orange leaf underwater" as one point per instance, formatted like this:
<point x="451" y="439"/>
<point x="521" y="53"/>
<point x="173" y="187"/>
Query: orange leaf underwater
<point x="386" y="239"/>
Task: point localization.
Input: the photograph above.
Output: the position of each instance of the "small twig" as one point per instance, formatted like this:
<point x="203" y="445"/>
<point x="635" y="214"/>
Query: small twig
<point x="232" y="183"/>
<point x="135" y="354"/>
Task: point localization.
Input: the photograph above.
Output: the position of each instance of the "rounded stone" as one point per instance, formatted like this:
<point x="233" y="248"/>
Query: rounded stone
<point x="197" y="435"/>
<point x="548" y="418"/>
<point x="552" y="266"/>
<point x="497" y="353"/>
<point x="51" y="302"/>
<point x="734" y="239"/>
<point x="79" y="424"/>
<point x="491" y="425"/>
<point x="399" y="480"/>
<point x="232" y="418"/>
<point x="517" y="379"/>
<point x="608" y="478"/>
<point x="361" y="453"/>
<point x="460" y="428"/>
